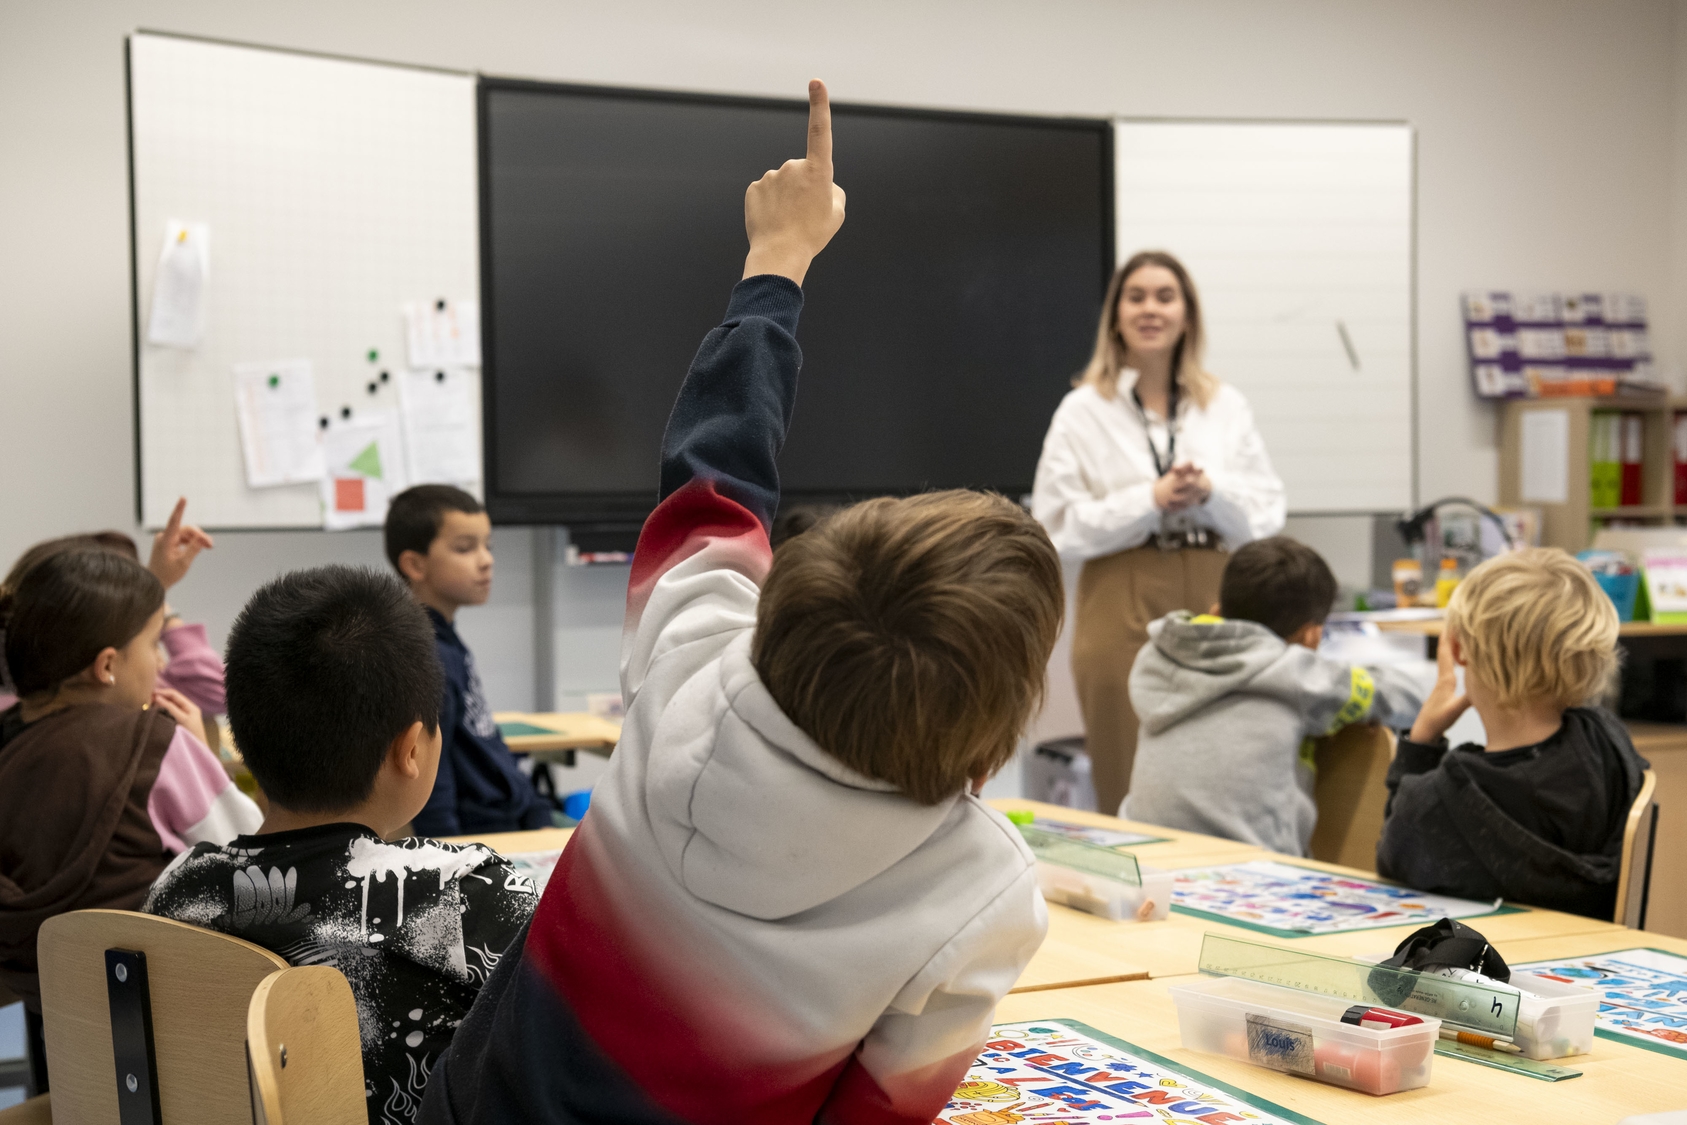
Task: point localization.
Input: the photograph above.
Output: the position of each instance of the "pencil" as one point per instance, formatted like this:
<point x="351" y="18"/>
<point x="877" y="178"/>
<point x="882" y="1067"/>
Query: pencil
<point x="1471" y="1039"/>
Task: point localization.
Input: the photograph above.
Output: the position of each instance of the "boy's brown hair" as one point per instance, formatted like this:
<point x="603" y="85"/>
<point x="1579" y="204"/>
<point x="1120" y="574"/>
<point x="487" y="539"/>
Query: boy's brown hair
<point x="1534" y="624"/>
<point x="910" y="638"/>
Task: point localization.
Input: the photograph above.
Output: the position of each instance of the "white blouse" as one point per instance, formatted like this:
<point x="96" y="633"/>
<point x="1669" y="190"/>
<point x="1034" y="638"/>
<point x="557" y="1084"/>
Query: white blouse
<point x="1095" y="482"/>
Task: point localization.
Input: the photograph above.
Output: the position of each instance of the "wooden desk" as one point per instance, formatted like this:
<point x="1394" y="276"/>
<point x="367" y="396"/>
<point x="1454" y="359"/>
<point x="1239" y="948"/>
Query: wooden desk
<point x="1586" y="945"/>
<point x="565" y="732"/>
<point x="1617" y="1080"/>
<point x="1174" y="846"/>
<point x="515" y="843"/>
<point x="1173" y="947"/>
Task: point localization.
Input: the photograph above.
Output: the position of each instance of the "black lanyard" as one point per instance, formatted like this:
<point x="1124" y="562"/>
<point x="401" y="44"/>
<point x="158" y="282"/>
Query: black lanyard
<point x="1160" y="469"/>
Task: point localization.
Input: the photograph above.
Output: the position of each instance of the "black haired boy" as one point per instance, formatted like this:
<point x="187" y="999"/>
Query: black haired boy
<point x="439" y="539"/>
<point x="333" y="694"/>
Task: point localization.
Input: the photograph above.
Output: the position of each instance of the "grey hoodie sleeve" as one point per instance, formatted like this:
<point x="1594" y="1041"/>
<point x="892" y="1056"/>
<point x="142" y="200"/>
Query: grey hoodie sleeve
<point x="1334" y="694"/>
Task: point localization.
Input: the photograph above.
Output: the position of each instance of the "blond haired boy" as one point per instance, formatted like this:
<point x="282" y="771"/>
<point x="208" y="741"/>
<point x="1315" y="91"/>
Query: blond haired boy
<point x="1536" y="816"/>
<point x="786" y="903"/>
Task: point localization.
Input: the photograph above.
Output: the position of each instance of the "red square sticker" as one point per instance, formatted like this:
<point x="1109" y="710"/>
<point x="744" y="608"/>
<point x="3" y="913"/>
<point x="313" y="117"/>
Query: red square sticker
<point x="348" y="494"/>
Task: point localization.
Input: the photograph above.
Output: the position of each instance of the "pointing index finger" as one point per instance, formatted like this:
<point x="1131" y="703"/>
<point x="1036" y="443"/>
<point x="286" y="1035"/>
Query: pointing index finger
<point x="175" y="521"/>
<point x="819" y="125"/>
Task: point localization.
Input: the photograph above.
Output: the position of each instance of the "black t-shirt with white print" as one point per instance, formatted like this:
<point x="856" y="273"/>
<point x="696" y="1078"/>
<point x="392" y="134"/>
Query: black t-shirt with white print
<point x="416" y="926"/>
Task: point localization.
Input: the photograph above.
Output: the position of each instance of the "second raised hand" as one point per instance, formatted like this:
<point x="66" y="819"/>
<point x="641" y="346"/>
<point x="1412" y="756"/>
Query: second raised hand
<point x="792" y="212"/>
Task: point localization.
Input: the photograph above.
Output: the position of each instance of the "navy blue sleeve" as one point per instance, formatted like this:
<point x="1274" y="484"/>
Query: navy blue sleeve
<point x="730" y="419"/>
<point x="439" y="816"/>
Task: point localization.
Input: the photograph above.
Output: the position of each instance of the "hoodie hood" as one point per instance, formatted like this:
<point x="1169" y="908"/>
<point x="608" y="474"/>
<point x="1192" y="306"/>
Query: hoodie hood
<point x="1189" y="663"/>
<point x="753" y="777"/>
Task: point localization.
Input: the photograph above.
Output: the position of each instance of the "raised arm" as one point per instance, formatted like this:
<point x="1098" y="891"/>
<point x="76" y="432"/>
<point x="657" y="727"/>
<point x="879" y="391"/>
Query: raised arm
<point x="720" y="476"/>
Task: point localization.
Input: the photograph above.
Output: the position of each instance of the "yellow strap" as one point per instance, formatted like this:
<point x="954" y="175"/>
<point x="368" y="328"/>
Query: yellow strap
<point x="1206" y="619"/>
<point x="1359" y="698"/>
<point x="1309" y="754"/>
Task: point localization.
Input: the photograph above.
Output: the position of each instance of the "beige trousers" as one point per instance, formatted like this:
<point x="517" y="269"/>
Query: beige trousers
<point x="1118" y="595"/>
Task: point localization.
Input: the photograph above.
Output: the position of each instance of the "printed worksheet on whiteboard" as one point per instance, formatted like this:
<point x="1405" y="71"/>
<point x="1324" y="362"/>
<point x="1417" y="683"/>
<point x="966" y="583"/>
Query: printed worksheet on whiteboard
<point x="275" y="403"/>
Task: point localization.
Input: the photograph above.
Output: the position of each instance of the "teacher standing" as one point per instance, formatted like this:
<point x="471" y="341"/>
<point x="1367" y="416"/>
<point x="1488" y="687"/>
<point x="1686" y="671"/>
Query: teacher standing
<point x="1151" y="472"/>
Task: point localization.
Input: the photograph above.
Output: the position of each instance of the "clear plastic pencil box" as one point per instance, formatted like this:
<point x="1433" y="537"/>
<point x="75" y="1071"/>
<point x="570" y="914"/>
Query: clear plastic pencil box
<point x="1283" y="1008"/>
<point x="1554" y="1017"/>
<point x="1097" y="880"/>
<point x="1302" y="1033"/>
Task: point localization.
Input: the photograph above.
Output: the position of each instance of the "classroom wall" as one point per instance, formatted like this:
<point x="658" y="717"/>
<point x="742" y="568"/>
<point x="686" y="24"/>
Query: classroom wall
<point x="1552" y="151"/>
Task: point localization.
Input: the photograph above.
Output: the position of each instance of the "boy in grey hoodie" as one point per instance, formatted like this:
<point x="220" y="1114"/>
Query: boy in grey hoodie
<point x="1229" y="703"/>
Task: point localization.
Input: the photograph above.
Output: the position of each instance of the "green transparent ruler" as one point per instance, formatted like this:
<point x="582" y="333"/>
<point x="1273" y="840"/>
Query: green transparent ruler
<point x="1500" y="1060"/>
<point x="1488" y="1009"/>
<point x="1092" y="859"/>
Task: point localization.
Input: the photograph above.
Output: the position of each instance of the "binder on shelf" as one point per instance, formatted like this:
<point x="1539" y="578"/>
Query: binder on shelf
<point x="1604" y="459"/>
<point x="1634" y="428"/>
<point x="1679" y="431"/>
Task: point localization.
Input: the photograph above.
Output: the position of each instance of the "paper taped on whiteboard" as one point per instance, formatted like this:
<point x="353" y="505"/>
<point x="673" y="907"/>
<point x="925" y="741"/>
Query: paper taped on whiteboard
<point x="439" y="430"/>
<point x="365" y="470"/>
<point x="443" y="333"/>
<point x="178" y="289"/>
<point x="1546" y="456"/>
<point x="275" y="402"/>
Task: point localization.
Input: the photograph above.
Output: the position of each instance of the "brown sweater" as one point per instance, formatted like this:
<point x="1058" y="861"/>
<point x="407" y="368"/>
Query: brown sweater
<point x="74" y="828"/>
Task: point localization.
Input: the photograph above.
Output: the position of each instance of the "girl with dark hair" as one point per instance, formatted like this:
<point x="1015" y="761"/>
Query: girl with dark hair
<point x="1151" y="472"/>
<point x="103" y="774"/>
<point x="193" y="668"/>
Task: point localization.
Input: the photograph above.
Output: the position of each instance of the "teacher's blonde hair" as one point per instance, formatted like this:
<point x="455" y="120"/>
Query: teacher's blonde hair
<point x="1193" y="381"/>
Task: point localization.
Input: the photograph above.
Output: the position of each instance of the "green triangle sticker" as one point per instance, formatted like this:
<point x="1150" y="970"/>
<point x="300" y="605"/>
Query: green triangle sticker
<point x="368" y="462"/>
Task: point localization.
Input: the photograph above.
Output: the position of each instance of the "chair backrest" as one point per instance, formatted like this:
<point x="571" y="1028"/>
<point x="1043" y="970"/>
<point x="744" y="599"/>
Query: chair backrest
<point x="1635" y="877"/>
<point x="200" y="985"/>
<point x="303" y="1047"/>
<point x="1351" y="791"/>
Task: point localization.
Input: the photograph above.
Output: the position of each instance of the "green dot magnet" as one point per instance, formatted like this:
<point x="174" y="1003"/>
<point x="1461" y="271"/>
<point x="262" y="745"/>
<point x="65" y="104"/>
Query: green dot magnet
<point x="274" y="381"/>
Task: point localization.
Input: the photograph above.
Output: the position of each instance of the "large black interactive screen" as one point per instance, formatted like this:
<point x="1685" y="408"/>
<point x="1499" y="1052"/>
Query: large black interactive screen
<point x="940" y="330"/>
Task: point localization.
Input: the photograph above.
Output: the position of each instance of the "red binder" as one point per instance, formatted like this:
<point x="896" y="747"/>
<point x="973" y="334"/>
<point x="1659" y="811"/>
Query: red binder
<point x="1633" y="428"/>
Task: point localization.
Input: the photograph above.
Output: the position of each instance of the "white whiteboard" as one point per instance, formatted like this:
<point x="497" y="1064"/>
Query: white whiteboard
<point x="1289" y="230"/>
<point x="335" y="191"/>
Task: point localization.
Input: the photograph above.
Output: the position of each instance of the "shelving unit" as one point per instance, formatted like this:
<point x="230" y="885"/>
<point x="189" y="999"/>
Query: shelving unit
<point x="1571" y="524"/>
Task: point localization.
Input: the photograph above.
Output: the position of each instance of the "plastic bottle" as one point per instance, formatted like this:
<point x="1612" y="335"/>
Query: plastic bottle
<point x="1447" y="581"/>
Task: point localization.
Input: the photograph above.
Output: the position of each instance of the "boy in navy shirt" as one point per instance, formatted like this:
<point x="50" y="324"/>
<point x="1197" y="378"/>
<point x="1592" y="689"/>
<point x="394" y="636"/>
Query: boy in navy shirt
<point x="439" y="539"/>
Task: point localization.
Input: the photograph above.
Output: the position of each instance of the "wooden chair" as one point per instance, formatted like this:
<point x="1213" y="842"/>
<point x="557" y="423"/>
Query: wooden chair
<point x="36" y="1111"/>
<point x="1351" y="791"/>
<point x="303" y="1049"/>
<point x="1635" y="878"/>
<point x="200" y="985"/>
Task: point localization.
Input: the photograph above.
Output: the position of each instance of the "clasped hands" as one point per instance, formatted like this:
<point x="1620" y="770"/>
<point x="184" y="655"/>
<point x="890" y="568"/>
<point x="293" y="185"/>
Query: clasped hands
<point x="1183" y="486"/>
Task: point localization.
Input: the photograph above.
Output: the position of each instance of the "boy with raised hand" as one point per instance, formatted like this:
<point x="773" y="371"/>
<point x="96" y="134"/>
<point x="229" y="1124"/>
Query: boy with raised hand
<point x="439" y="539"/>
<point x="333" y="693"/>
<point x="1538" y="815"/>
<point x="786" y="904"/>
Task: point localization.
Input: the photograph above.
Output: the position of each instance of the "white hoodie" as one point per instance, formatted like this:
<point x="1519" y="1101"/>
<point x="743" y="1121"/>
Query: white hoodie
<point x="751" y="930"/>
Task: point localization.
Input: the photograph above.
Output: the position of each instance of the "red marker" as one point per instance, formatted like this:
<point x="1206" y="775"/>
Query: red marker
<point x="1377" y="1019"/>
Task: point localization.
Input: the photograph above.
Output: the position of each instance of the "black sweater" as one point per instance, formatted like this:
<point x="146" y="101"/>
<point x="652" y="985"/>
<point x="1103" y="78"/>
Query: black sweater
<point x="1539" y="824"/>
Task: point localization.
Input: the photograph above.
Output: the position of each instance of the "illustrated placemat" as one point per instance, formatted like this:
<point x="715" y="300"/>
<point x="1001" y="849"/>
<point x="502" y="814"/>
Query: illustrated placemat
<point x="1065" y="1071"/>
<point x="1289" y="901"/>
<point x="1642" y="995"/>
<point x="1100" y="837"/>
<point x="537" y="866"/>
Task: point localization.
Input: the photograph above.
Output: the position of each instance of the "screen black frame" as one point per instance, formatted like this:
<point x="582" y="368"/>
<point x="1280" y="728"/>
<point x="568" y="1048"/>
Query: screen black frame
<point x="612" y="520"/>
